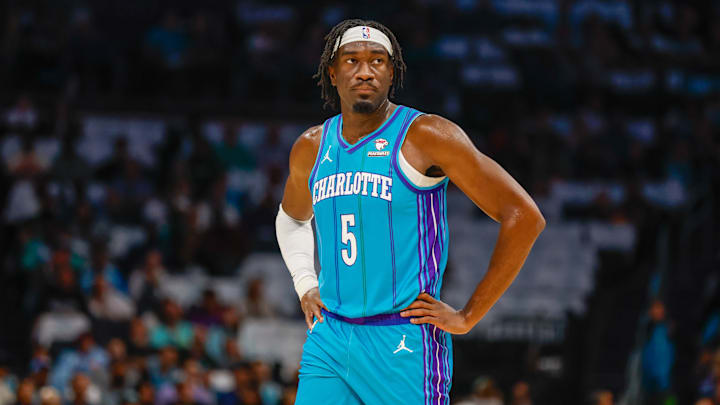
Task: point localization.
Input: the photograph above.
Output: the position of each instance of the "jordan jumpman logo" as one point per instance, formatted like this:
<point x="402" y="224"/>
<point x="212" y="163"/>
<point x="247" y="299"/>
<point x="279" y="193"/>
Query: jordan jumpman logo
<point x="327" y="155"/>
<point x="401" y="346"/>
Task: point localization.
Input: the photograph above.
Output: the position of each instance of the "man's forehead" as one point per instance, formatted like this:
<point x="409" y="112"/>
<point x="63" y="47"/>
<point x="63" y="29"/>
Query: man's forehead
<point x="360" y="46"/>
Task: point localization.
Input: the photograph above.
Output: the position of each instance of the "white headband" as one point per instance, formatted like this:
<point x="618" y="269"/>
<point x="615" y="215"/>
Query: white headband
<point x="365" y="34"/>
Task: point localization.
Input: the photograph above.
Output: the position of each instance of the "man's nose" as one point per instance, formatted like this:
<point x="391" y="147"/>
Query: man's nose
<point x="364" y="72"/>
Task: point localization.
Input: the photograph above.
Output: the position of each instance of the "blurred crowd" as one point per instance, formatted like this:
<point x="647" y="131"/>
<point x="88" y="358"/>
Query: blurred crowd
<point x="554" y="90"/>
<point x="87" y="252"/>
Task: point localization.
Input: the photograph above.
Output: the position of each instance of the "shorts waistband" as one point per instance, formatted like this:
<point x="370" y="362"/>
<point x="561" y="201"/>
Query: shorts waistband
<point x="376" y="320"/>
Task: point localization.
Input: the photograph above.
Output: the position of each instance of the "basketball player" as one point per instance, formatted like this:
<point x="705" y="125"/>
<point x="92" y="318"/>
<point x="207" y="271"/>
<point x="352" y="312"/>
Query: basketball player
<point x="375" y="178"/>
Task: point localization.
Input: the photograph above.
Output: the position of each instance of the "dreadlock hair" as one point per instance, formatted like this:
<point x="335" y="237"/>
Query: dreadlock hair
<point x="329" y="94"/>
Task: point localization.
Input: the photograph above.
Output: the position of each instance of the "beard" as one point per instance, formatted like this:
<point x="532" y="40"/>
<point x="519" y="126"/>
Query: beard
<point x="364" y="107"/>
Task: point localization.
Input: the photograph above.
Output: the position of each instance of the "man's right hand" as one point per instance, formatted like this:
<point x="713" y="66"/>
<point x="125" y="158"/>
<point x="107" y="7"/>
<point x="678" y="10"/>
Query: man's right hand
<point x="311" y="305"/>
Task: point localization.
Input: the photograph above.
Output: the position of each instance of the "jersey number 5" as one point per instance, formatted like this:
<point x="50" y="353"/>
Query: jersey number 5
<point x="349" y="255"/>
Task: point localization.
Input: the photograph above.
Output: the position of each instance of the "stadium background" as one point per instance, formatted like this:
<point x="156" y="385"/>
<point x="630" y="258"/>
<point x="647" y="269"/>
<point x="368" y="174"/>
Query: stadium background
<point x="144" y="148"/>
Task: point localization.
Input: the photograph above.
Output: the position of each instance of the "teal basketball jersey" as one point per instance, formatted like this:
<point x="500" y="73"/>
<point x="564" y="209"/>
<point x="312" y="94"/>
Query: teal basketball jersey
<point x="381" y="239"/>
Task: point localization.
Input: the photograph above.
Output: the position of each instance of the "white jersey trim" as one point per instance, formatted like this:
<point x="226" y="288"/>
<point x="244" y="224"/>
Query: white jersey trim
<point x="415" y="176"/>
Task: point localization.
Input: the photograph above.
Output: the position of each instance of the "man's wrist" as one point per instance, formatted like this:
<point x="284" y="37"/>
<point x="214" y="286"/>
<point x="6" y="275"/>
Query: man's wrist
<point x="466" y="319"/>
<point x="305" y="284"/>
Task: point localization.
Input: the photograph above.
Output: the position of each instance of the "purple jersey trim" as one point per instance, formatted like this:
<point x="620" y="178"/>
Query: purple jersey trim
<point x="425" y="365"/>
<point x="335" y="217"/>
<point x="392" y="251"/>
<point x="311" y="179"/>
<point x="367" y="138"/>
<point x="396" y="149"/>
<point x="375" y="320"/>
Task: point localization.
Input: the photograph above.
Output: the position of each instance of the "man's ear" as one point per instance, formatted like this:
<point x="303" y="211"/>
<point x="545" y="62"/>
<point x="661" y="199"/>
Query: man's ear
<point x="331" y="73"/>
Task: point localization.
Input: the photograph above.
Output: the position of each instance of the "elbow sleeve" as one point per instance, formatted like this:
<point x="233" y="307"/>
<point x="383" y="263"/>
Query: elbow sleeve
<point x="297" y="247"/>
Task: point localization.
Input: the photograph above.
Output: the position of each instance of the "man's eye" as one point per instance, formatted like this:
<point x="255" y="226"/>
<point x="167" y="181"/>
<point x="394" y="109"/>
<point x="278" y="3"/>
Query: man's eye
<point x="378" y="60"/>
<point x="351" y="60"/>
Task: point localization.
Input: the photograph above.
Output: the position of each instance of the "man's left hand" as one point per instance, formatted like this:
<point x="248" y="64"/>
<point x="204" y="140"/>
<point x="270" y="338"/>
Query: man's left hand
<point x="426" y="309"/>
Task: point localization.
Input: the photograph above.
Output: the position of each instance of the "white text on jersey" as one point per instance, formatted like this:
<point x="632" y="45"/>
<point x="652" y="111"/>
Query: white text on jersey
<point x="335" y="185"/>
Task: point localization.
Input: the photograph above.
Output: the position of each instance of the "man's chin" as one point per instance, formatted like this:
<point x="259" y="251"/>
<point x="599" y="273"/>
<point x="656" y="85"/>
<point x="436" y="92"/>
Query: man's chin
<point x="364" y="107"/>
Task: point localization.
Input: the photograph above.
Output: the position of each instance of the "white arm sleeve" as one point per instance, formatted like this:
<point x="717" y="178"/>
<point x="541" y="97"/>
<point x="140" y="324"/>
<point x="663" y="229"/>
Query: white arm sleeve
<point x="297" y="247"/>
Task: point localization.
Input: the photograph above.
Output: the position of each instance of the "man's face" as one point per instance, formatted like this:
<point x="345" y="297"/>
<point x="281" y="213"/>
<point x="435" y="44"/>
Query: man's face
<point x="362" y="73"/>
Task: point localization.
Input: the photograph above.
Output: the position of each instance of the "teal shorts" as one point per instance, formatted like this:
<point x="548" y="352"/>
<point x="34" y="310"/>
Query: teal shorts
<point x="375" y="360"/>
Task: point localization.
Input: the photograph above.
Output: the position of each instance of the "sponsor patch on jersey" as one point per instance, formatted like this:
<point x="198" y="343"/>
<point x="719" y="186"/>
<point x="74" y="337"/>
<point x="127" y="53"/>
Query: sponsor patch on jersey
<point x="380" y="144"/>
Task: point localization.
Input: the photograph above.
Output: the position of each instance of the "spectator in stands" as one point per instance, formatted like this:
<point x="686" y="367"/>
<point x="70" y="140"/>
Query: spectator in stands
<point x="484" y="393"/>
<point x="106" y="303"/>
<point x="679" y="166"/>
<point x="209" y="312"/>
<point x="50" y="396"/>
<point x="117" y="350"/>
<point x="221" y="344"/>
<point x="69" y="168"/>
<point x="113" y="168"/>
<point x="245" y="390"/>
<point x="185" y="395"/>
<point x="233" y="356"/>
<point x="270" y="391"/>
<point x="145" y="282"/>
<point x="172" y="328"/>
<point x="34" y="251"/>
<point x="222" y="244"/>
<point x="128" y="193"/>
<point x="704" y="401"/>
<point x="603" y="397"/>
<point x="139" y="341"/>
<point x="166" y="44"/>
<point x="63" y="308"/>
<point x="658" y="355"/>
<point x="100" y="264"/>
<point x="83" y="391"/>
<point x="256" y="306"/>
<point x="521" y="394"/>
<point x="163" y="368"/>
<point x="121" y="379"/>
<point x="7" y="394"/>
<point x="23" y="202"/>
<point x="289" y="395"/>
<point x="203" y="167"/>
<point x="40" y="366"/>
<point x="146" y="393"/>
<point x="196" y="379"/>
<point x="711" y="379"/>
<point x="27" y="162"/>
<point x="232" y="153"/>
<point x="26" y="394"/>
<point x="89" y="359"/>
<point x="23" y="115"/>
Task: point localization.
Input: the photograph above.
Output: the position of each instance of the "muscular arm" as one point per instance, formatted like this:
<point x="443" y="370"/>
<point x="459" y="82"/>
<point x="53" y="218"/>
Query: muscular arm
<point x="297" y="201"/>
<point x="294" y="232"/>
<point x="433" y="141"/>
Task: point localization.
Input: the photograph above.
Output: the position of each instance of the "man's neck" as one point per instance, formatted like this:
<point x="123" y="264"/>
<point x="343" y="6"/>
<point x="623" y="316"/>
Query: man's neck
<point x="357" y="125"/>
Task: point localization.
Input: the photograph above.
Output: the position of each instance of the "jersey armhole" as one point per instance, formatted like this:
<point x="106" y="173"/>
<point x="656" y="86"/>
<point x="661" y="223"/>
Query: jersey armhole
<point x="414" y="176"/>
<point x="325" y="127"/>
<point x="411" y="177"/>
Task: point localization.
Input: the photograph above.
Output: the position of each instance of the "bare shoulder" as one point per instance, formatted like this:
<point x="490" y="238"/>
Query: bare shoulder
<point x="310" y="139"/>
<point x="434" y="129"/>
<point x="305" y="149"/>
